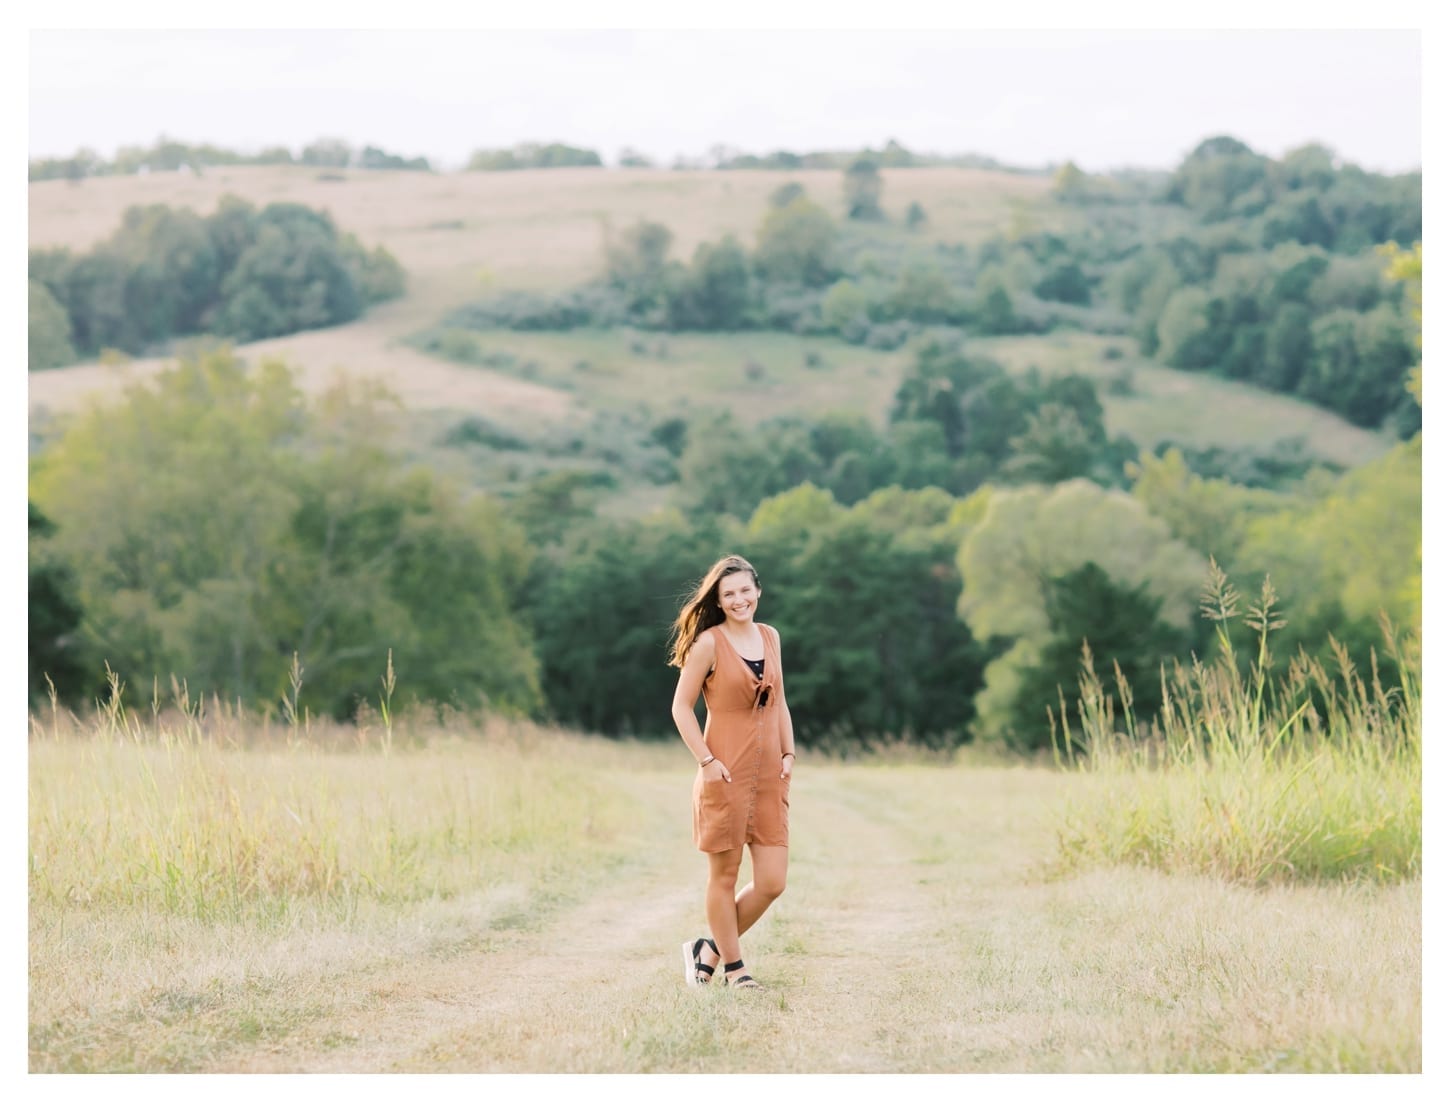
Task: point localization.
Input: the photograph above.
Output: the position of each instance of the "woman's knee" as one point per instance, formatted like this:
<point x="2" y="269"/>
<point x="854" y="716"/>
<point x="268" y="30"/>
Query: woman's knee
<point x="724" y="872"/>
<point x="770" y="885"/>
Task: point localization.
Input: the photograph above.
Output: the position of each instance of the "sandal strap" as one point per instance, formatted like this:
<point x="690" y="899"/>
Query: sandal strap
<point x="735" y="966"/>
<point x="707" y="969"/>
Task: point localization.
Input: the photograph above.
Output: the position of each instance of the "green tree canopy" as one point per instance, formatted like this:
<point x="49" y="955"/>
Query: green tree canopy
<point x="215" y="523"/>
<point x="797" y="244"/>
<point x="1026" y="540"/>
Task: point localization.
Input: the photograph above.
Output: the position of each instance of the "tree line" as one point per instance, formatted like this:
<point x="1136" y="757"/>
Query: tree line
<point x="239" y="273"/>
<point x="169" y="155"/>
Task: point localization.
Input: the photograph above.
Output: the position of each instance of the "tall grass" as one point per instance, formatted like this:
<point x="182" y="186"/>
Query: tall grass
<point x="215" y="816"/>
<point x="1313" y="776"/>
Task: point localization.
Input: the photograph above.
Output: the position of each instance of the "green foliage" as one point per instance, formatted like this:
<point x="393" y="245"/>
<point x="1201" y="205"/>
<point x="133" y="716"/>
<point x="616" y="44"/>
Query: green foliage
<point x="924" y="294"/>
<point x="54" y="617"/>
<point x="863" y="185"/>
<point x="636" y="264"/>
<point x="373" y="157"/>
<point x="785" y="195"/>
<point x="1112" y="629"/>
<point x="327" y="153"/>
<point x="533" y="155"/>
<point x="600" y="610"/>
<point x="241" y="273"/>
<point x="992" y="305"/>
<point x="1211" y="516"/>
<point x="1025" y="539"/>
<point x="215" y="524"/>
<point x="714" y="292"/>
<point x="863" y="600"/>
<point x="49" y="343"/>
<point x="797" y="244"/>
<point x="1344" y="555"/>
<point x="845" y="309"/>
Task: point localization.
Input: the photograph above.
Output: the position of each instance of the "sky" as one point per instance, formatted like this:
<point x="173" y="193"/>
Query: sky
<point x="1103" y="98"/>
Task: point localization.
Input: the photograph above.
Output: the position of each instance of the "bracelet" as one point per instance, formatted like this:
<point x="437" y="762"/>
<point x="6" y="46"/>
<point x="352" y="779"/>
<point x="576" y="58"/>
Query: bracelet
<point x="707" y="761"/>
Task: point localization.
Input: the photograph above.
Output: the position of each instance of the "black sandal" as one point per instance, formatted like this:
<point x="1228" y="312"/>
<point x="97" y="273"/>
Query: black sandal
<point x="697" y="974"/>
<point x="745" y="980"/>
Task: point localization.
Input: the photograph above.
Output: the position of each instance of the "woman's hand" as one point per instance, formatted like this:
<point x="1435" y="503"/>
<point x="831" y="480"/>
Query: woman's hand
<point x="787" y="763"/>
<point x="716" y="771"/>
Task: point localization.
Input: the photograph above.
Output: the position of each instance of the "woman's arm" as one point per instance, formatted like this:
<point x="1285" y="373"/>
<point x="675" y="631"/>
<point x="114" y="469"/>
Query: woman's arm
<point x="687" y="691"/>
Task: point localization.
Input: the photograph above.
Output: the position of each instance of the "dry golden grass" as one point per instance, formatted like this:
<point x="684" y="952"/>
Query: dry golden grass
<point x="921" y="932"/>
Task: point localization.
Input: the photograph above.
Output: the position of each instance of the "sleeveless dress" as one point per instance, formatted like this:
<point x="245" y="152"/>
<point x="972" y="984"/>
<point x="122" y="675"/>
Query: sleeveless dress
<point x="742" y="729"/>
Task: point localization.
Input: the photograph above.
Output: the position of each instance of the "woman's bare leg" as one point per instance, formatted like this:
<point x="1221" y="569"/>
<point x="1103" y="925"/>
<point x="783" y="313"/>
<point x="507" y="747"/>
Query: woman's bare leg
<point x="720" y="906"/>
<point x="768" y="865"/>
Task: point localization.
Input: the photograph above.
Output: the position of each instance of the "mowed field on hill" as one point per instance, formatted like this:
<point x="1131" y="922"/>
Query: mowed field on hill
<point x="462" y="236"/>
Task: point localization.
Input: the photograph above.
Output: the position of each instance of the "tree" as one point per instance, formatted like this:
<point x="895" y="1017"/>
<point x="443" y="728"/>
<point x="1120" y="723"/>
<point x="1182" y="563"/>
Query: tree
<point x="601" y="611"/>
<point x="293" y="276"/>
<point x="1065" y="282"/>
<point x="1406" y="266"/>
<point x="797" y="244"/>
<point x="327" y="153"/>
<point x="992" y="305"/>
<point x="915" y="215"/>
<point x="785" y="195"/>
<point x="1069" y="183"/>
<point x="863" y="185"/>
<point x="54" y="617"/>
<point x="637" y="263"/>
<point x="923" y="293"/>
<point x="1026" y="538"/>
<point x="215" y="524"/>
<point x="714" y="293"/>
<point x="867" y="592"/>
<point x="49" y="343"/>
<point x="845" y="309"/>
<point x="1121" y="629"/>
<point x="1185" y="335"/>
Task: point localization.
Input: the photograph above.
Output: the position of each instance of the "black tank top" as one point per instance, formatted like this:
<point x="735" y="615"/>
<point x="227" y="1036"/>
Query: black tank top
<point x="757" y="666"/>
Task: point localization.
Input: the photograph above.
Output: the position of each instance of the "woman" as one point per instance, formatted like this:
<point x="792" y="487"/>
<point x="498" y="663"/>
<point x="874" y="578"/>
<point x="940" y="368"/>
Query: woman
<point x="745" y="754"/>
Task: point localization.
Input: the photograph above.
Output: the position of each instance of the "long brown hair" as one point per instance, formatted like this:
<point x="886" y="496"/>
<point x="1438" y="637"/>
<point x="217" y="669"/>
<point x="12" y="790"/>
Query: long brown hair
<point x="702" y="611"/>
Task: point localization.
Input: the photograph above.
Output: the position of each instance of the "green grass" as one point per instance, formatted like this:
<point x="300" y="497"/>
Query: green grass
<point x="1315" y="776"/>
<point x="758" y="375"/>
<point x="1188" y="408"/>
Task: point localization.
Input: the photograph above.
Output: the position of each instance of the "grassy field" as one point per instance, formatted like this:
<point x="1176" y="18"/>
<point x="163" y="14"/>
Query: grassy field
<point x="464" y="235"/>
<point x="495" y="897"/>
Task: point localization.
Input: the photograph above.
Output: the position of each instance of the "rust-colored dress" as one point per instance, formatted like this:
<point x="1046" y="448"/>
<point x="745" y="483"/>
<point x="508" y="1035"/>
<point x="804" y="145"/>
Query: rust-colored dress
<point x="754" y="805"/>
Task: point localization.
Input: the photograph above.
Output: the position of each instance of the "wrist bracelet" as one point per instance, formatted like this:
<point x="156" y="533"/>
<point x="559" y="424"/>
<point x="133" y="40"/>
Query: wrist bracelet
<point x="707" y="761"/>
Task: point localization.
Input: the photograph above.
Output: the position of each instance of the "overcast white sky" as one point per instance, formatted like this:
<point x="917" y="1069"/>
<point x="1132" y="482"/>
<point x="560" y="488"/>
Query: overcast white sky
<point x="1102" y="98"/>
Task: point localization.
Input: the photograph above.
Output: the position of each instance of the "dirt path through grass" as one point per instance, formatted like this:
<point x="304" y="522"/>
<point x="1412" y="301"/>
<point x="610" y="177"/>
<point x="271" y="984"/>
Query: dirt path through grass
<point x="599" y="987"/>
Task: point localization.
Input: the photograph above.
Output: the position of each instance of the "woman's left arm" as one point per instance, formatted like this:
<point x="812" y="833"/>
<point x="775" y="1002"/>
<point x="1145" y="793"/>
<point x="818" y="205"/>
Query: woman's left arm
<point x="787" y="728"/>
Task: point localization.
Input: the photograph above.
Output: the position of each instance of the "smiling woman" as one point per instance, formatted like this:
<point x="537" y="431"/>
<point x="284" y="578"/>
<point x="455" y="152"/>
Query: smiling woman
<point x="746" y="755"/>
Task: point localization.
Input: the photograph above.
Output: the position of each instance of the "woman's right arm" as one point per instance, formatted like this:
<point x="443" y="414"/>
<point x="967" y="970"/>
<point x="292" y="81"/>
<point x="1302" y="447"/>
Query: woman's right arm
<point x="687" y="691"/>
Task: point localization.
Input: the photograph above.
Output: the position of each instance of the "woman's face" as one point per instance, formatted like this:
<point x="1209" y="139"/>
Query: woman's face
<point x="738" y="597"/>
